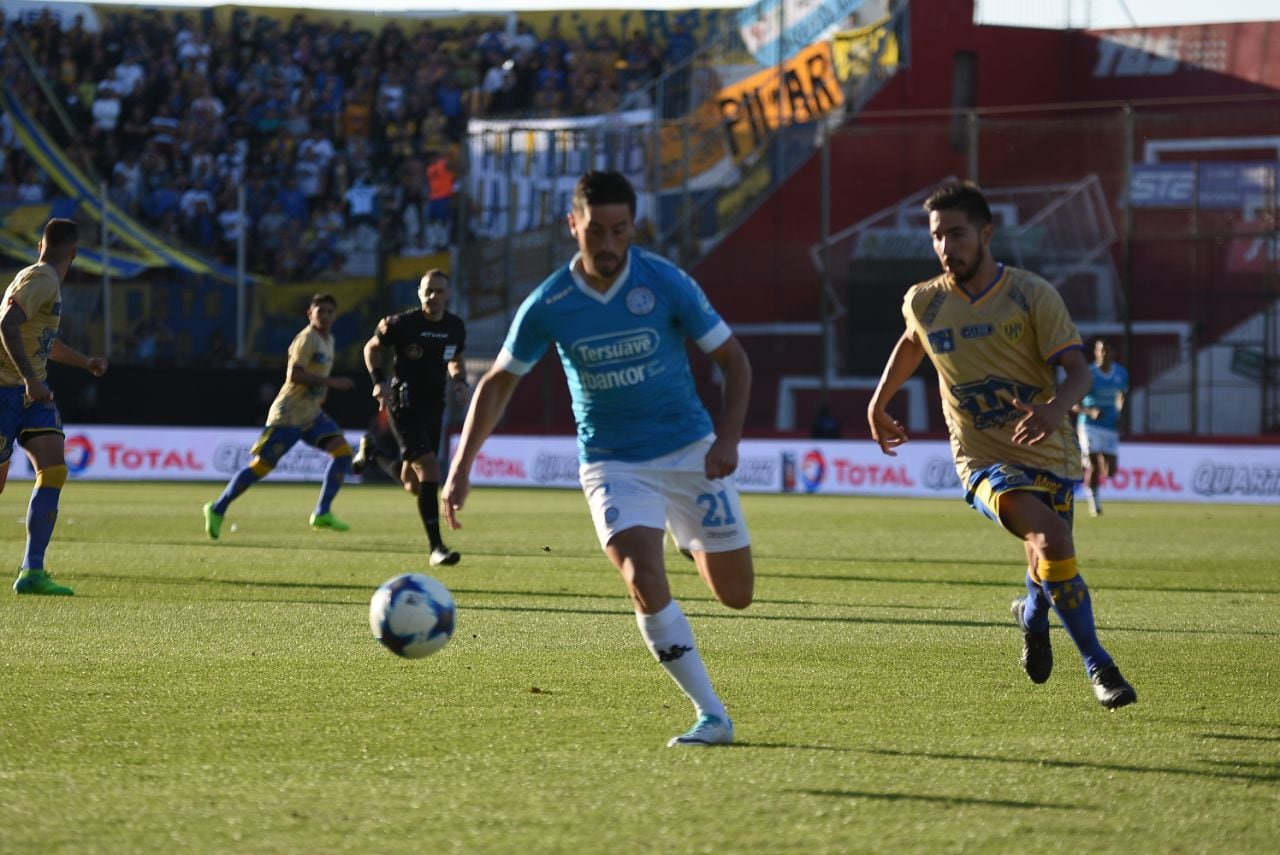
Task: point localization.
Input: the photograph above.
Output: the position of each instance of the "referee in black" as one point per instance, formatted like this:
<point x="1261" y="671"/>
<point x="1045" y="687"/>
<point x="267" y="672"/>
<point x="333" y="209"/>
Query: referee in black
<point x="428" y="345"/>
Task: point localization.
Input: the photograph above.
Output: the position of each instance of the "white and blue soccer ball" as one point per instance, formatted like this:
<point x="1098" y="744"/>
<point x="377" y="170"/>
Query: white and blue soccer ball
<point x="412" y="615"/>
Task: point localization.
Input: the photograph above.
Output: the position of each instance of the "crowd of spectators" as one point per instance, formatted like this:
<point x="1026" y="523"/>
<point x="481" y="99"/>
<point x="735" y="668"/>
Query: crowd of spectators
<point x="341" y="138"/>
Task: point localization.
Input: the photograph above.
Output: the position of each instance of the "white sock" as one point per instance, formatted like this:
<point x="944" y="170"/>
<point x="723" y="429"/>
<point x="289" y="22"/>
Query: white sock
<point x="670" y="640"/>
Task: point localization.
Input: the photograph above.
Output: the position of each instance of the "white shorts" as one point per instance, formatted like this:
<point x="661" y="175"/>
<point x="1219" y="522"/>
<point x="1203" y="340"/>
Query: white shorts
<point x="1098" y="440"/>
<point x="669" y="492"/>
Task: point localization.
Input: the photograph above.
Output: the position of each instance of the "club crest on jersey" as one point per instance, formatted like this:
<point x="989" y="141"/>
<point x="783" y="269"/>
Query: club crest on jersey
<point x="640" y="301"/>
<point x="1013" y="330"/>
<point x="942" y="341"/>
<point x="413" y="351"/>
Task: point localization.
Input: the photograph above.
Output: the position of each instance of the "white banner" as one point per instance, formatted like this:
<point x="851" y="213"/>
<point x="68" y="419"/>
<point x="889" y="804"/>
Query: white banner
<point x="173" y="454"/>
<point x="540" y="161"/>
<point x="1151" y="472"/>
<point x="1148" y="472"/>
<point x="788" y="26"/>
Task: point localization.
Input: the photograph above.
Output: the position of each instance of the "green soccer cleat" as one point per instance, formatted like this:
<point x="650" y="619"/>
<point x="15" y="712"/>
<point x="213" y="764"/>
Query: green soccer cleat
<point x="39" y="582"/>
<point x="212" y="522"/>
<point x="329" y="521"/>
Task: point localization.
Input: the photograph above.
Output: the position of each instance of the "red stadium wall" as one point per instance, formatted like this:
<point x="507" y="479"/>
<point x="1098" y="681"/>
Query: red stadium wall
<point x="763" y="272"/>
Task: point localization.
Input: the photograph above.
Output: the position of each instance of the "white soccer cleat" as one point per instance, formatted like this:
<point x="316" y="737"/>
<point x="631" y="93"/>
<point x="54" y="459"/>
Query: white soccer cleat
<point x="707" y="730"/>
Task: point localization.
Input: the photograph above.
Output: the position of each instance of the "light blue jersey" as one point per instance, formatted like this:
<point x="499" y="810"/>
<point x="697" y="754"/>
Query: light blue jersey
<point x="1106" y="386"/>
<point x="623" y="353"/>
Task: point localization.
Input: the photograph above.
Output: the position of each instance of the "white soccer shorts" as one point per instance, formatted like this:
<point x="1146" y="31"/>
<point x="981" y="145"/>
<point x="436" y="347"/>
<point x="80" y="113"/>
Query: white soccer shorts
<point x="1098" y="440"/>
<point x="669" y="492"/>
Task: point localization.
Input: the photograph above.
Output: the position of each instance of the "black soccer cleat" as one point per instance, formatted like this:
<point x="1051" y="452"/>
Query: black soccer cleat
<point x="1112" y="690"/>
<point x="443" y="556"/>
<point x="1037" y="652"/>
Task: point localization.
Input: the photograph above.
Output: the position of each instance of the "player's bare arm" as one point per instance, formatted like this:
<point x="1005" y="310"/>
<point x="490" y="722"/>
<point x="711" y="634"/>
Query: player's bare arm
<point x="493" y="392"/>
<point x="907" y="355"/>
<point x="12" y="317"/>
<point x="1041" y="421"/>
<point x="65" y="354"/>
<point x="722" y="457"/>
<point x="298" y="374"/>
<point x="377" y="370"/>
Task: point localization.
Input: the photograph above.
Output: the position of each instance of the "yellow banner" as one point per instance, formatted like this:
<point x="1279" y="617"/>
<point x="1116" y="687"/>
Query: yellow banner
<point x="583" y="24"/>
<point x="283" y="306"/>
<point x="405" y="267"/>
<point x="806" y="90"/>
<point x="855" y="51"/>
<point x="704" y="141"/>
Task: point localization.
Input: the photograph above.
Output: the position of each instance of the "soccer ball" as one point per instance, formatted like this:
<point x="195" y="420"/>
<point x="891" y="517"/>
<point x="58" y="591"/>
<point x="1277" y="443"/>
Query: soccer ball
<point x="412" y="615"/>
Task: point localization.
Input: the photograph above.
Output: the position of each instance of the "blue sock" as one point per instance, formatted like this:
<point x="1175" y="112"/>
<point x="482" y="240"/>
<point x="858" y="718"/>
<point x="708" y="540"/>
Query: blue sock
<point x="42" y="516"/>
<point x="1075" y="609"/>
<point x="333" y="476"/>
<point x="243" y="480"/>
<point x="1035" y="614"/>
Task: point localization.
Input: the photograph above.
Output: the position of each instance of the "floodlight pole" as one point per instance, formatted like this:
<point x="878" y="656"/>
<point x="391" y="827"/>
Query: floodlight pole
<point x="241" y="307"/>
<point x="106" y="273"/>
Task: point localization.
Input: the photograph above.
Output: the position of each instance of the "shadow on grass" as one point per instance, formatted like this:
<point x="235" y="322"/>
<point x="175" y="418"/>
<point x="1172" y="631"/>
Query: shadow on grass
<point x="680" y="568"/>
<point x="700" y="615"/>
<point x="1269" y="776"/>
<point x="942" y="800"/>
<point x="1239" y="737"/>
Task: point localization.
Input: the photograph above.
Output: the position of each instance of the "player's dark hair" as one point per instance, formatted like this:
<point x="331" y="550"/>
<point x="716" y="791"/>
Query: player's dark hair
<point x="964" y="196"/>
<point x="604" y="187"/>
<point x="60" y="235"/>
<point x="317" y="299"/>
<point x="436" y="271"/>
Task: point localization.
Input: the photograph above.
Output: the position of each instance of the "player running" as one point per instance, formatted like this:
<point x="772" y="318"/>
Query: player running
<point x="296" y="414"/>
<point x="650" y="458"/>
<point x="994" y="334"/>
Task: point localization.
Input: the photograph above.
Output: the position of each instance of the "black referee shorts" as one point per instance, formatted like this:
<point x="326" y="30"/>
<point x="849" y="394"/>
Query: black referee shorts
<point x="416" y="423"/>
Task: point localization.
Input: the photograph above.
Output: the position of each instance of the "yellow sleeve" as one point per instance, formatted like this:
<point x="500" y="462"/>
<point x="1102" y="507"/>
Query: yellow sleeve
<point x="303" y="349"/>
<point x="1055" y="330"/>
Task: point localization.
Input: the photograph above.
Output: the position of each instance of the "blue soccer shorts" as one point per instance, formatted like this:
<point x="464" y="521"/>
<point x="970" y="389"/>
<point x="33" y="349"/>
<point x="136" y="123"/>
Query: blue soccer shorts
<point x="21" y="419"/>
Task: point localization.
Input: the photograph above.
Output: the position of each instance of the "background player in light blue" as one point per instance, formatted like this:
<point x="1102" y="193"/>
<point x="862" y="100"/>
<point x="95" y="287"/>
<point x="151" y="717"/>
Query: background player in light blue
<point x="1098" y="420"/>
<point x="650" y="457"/>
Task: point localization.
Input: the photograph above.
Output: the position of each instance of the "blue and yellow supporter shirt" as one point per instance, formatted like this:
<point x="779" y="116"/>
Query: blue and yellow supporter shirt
<point x="298" y="404"/>
<point x="1104" y="394"/>
<point x="987" y="350"/>
<point x="623" y="354"/>
<point x="37" y="290"/>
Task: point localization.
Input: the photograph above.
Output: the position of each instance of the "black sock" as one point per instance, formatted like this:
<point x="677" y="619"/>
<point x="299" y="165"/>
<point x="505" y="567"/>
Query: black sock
<point x="429" y="510"/>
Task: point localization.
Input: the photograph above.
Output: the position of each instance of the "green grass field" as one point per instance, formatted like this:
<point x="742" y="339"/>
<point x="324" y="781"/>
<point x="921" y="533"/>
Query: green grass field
<point x="203" y="697"/>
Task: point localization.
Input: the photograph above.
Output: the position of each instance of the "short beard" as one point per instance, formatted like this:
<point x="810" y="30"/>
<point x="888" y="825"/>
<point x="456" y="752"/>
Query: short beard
<point x="977" y="265"/>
